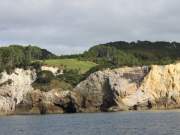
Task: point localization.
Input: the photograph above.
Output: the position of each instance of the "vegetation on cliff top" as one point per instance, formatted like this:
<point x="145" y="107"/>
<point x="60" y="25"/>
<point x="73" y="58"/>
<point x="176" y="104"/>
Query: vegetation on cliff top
<point x="79" y="66"/>
<point x="71" y="64"/>
<point x="134" y="53"/>
<point x="47" y="81"/>
<point x="113" y="54"/>
<point x="21" y="56"/>
<point x="117" y="54"/>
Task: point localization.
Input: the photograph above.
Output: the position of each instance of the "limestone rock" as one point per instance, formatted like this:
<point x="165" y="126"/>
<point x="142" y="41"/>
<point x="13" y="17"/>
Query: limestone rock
<point x="126" y="88"/>
<point x="54" y="101"/>
<point x="132" y="88"/>
<point x="13" y="87"/>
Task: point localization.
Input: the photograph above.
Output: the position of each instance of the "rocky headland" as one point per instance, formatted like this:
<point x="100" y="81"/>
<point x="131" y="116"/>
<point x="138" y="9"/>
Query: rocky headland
<point x="126" y="88"/>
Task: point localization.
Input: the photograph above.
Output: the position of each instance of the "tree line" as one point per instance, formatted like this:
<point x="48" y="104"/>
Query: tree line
<point x="21" y="56"/>
<point x="133" y="53"/>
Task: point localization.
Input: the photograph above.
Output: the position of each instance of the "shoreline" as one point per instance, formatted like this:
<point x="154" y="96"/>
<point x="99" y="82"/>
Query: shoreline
<point x="130" y="111"/>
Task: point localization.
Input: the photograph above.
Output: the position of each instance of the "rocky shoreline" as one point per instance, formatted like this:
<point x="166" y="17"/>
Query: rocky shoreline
<point x="123" y="89"/>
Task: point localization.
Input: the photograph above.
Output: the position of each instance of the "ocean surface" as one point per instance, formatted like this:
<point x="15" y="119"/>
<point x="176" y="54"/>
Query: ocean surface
<point x="121" y="123"/>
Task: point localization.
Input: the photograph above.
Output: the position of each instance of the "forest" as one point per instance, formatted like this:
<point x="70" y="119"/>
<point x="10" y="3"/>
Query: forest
<point x="134" y="53"/>
<point x="112" y="54"/>
<point x="21" y="56"/>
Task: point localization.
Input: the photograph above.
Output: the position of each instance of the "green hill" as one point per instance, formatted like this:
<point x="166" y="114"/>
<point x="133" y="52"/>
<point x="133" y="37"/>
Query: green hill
<point x="71" y="64"/>
<point x="21" y="56"/>
<point x="113" y="54"/>
<point x="134" y="53"/>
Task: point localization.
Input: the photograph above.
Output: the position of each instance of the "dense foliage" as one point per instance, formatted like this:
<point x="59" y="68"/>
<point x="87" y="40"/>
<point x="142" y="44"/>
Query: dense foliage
<point x="72" y="77"/>
<point x="44" y="76"/>
<point x="133" y="53"/>
<point x="21" y="56"/>
<point x="46" y="81"/>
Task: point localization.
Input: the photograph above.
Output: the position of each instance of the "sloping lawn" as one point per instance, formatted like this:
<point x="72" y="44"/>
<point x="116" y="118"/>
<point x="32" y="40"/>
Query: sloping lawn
<point x="83" y="66"/>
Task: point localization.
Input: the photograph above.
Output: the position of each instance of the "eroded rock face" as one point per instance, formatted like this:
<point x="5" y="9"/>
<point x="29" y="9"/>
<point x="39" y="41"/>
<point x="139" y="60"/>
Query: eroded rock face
<point x="131" y="88"/>
<point x="17" y="96"/>
<point x="161" y="87"/>
<point x="100" y="89"/>
<point x="13" y="87"/>
<point x="125" y="88"/>
<point x="54" y="101"/>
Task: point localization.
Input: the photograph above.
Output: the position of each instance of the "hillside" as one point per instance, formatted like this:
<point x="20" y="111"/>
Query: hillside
<point x="109" y="55"/>
<point x="80" y="89"/>
<point x="21" y="56"/>
<point x="35" y="52"/>
<point x="71" y="64"/>
<point x="134" y="53"/>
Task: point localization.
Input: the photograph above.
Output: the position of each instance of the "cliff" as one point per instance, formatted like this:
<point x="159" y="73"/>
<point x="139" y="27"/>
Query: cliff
<point x="127" y="88"/>
<point x="13" y="87"/>
<point x="53" y="101"/>
<point x="131" y="89"/>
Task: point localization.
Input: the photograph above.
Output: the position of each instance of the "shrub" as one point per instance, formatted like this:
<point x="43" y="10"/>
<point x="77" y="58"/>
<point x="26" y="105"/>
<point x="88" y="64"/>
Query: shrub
<point x="54" y="84"/>
<point x="44" y="76"/>
<point x="72" y="77"/>
<point x="37" y="65"/>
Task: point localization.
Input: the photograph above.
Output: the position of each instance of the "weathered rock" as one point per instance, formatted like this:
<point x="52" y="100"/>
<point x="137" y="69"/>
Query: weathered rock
<point x="155" y="87"/>
<point x="54" y="101"/>
<point x="160" y="88"/>
<point x="98" y="91"/>
<point x="93" y="93"/>
<point x="13" y="87"/>
<point x="131" y="88"/>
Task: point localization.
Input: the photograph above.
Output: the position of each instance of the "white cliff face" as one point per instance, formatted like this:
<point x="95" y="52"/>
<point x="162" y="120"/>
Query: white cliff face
<point x="160" y="86"/>
<point x="126" y="88"/>
<point x="157" y="86"/>
<point x="13" y="87"/>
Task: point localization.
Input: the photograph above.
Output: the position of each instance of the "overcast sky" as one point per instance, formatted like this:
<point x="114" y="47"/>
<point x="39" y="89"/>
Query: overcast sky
<point x="72" y="26"/>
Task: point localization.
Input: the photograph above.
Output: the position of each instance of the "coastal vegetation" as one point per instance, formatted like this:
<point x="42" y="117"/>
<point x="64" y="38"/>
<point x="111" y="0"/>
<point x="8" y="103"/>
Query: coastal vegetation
<point x="134" y="53"/>
<point x="47" y="81"/>
<point x="78" y="67"/>
<point x="21" y="56"/>
<point x="62" y="83"/>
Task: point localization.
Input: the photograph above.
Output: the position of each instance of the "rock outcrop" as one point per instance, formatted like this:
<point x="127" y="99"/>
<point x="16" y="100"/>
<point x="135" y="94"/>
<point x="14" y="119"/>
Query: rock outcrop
<point x="131" y="88"/>
<point x="13" y="87"/>
<point x="54" y="101"/>
<point x="127" y="88"/>
<point x="17" y="96"/>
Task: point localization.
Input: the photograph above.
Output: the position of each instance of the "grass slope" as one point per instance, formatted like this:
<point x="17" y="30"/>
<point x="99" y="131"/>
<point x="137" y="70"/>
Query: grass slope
<point x="83" y="66"/>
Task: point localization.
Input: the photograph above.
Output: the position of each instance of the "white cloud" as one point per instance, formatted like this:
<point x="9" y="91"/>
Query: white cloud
<point x="71" y="26"/>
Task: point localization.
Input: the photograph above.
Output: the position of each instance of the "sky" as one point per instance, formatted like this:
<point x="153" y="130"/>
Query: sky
<point x="73" y="26"/>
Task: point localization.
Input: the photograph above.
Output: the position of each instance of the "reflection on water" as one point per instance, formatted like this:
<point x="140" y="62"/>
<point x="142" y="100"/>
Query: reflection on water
<point x="122" y="123"/>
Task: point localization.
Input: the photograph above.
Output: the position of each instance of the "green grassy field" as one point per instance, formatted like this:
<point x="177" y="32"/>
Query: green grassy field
<point x="83" y="66"/>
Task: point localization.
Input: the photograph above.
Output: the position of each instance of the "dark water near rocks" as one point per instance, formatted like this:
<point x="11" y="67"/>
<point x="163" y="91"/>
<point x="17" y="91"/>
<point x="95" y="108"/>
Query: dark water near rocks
<point x="123" y="123"/>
